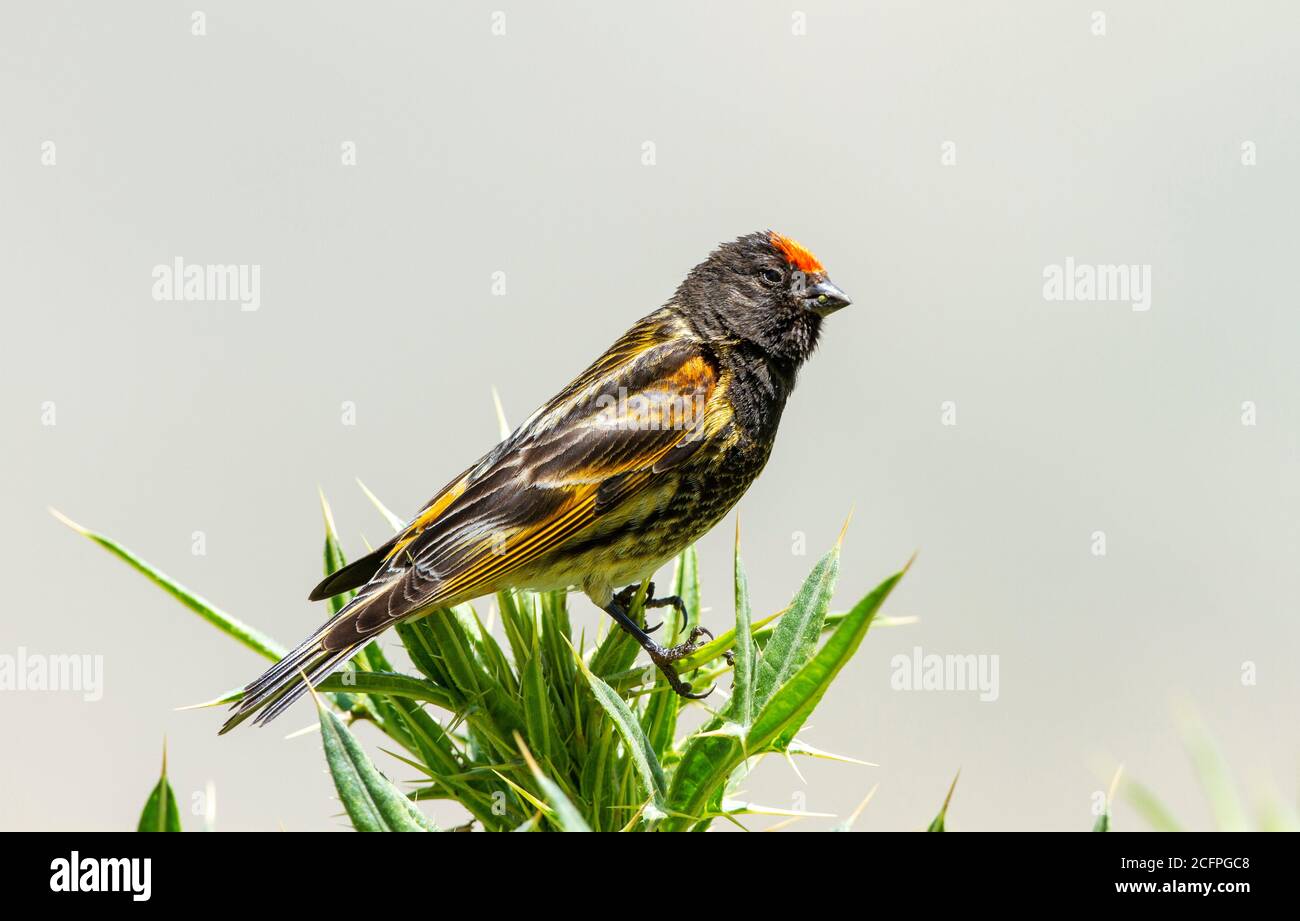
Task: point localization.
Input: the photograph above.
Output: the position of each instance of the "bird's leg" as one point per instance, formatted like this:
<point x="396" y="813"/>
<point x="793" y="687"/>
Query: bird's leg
<point x="625" y="597"/>
<point x="662" y="657"/>
<point x="624" y="600"/>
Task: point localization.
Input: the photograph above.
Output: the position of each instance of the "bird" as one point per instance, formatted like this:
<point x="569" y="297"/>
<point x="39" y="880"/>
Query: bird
<point x="633" y="461"/>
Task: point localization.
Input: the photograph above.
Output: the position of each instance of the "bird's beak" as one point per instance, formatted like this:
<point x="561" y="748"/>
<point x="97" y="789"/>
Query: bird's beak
<point x="824" y="299"/>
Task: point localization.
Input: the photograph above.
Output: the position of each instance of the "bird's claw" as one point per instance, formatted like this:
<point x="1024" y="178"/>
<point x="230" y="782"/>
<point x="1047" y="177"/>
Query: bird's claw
<point x="662" y="656"/>
<point x="663" y="659"/>
<point x="624" y="599"/>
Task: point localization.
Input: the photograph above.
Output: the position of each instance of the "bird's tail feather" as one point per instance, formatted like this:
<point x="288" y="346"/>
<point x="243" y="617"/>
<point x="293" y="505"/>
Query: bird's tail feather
<point x="282" y="684"/>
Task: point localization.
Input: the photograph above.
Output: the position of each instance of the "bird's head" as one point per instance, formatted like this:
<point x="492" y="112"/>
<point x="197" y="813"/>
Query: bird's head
<point x="763" y="288"/>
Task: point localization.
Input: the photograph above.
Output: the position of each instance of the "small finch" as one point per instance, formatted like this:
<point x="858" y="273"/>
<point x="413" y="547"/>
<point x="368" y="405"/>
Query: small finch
<point x="639" y="456"/>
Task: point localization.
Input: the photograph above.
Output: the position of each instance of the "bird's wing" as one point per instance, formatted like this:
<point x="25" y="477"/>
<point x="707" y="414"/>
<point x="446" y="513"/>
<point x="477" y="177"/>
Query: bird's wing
<point x="641" y="409"/>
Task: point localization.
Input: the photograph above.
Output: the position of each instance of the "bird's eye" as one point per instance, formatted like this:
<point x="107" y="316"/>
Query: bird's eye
<point x="772" y="276"/>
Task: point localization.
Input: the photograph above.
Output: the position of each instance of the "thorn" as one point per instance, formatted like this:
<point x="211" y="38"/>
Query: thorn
<point x="325" y="511"/>
<point x="66" y="520"/>
<point x="839" y="541"/>
<point x="794" y="767"/>
<point x="853" y="816"/>
<point x="948" y="799"/>
<point x="394" y="522"/>
<point x="502" y="425"/>
<point x="1114" y="785"/>
<point x="528" y="755"/>
<point x="784" y="823"/>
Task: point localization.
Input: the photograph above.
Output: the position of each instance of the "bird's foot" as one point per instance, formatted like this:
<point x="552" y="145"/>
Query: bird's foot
<point x="667" y="601"/>
<point x="624" y="599"/>
<point x="662" y="656"/>
<point x="664" y="659"/>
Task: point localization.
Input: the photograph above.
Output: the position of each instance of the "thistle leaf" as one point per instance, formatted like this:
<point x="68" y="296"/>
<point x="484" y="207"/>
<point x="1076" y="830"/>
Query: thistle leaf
<point x="742" y="688"/>
<point x="1103" y="821"/>
<point x="160" y="812"/>
<point x="634" y="740"/>
<point x="387" y="684"/>
<point x="793" y="702"/>
<point x="371" y="800"/>
<point x="941" y="818"/>
<point x="254" y="639"/>
<point x="797" y="631"/>
<point x="540" y="724"/>
<point x="566" y="814"/>
<point x="709" y="759"/>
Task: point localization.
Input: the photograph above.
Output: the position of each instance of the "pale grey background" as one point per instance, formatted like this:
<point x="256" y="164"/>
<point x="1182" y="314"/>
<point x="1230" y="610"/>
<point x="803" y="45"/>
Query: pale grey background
<point x="522" y="153"/>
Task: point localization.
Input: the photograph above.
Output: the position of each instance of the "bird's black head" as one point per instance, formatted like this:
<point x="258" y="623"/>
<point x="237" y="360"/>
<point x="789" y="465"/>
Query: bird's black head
<point x="763" y="289"/>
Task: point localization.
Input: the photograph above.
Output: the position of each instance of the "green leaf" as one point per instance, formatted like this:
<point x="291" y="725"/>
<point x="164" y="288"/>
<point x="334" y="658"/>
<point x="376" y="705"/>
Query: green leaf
<point x="252" y="638"/>
<point x="333" y="557"/>
<point x="489" y="651"/>
<point x="439" y="751"/>
<point x="160" y="812"/>
<point x="710" y="757"/>
<point x="566" y="814"/>
<point x="422" y="648"/>
<point x="541" y="733"/>
<point x="552" y="612"/>
<point x="634" y="740"/>
<point x="595" y="780"/>
<point x="371" y="800"/>
<point x="481" y="676"/>
<point x="939" y="820"/>
<point x="796" y="633"/>
<point x="387" y="684"/>
<point x="1103" y="821"/>
<point x="742" y="687"/>
<point x="518" y="622"/>
<point x="793" y="702"/>
<point x="686" y="586"/>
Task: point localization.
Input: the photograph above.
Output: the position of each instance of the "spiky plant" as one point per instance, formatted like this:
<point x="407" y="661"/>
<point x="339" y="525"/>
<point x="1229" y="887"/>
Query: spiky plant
<point x="550" y="732"/>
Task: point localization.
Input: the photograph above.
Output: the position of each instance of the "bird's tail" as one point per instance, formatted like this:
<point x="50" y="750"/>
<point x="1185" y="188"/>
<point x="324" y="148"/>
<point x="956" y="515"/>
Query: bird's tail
<point x="316" y="658"/>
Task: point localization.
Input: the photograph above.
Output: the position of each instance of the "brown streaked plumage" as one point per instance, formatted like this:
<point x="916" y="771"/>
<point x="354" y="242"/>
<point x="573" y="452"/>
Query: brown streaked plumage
<point x="635" y="459"/>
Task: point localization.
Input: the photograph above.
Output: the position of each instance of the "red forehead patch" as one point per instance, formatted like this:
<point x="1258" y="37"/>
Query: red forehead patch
<point x="795" y="254"/>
